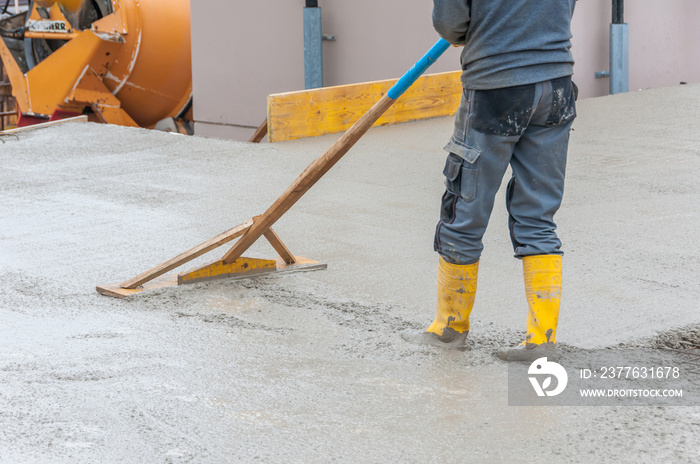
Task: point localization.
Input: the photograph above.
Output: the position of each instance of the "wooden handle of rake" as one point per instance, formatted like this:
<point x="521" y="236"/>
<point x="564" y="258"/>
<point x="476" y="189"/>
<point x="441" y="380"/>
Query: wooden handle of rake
<point x="322" y="164"/>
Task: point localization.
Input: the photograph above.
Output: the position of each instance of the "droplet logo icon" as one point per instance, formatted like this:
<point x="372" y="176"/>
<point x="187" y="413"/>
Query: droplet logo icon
<point x="551" y="369"/>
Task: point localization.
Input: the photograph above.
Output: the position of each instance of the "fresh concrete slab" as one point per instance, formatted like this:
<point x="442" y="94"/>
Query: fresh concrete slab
<point x="310" y="367"/>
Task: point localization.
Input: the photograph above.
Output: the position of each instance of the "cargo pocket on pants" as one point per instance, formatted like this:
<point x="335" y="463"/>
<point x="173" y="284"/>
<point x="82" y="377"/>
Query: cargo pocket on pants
<point x="461" y="176"/>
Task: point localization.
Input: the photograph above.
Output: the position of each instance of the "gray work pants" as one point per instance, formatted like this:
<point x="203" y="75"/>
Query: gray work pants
<point x="526" y="127"/>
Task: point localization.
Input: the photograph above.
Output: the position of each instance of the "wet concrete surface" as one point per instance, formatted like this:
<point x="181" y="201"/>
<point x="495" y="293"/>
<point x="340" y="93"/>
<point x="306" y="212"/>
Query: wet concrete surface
<point x="310" y="367"/>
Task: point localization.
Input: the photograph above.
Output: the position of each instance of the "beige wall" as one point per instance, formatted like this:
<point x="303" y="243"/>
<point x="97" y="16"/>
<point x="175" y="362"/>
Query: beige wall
<point x="243" y="51"/>
<point x="590" y="45"/>
<point x="664" y="42"/>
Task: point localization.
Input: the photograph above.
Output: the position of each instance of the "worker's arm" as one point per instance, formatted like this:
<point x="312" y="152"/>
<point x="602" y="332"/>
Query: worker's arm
<point x="451" y="19"/>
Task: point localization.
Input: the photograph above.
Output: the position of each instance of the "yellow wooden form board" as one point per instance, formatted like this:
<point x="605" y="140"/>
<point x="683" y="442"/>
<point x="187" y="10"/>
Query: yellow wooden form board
<point x="308" y="113"/>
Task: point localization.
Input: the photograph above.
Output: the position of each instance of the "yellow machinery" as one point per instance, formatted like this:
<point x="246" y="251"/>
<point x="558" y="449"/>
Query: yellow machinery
<point x="125" y="62"/>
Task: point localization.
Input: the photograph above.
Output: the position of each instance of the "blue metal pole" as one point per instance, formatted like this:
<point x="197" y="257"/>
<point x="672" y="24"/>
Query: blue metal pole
<point x="619" y="49"/>
<point x="313" y="49"/>
<point x="619" y="58"/>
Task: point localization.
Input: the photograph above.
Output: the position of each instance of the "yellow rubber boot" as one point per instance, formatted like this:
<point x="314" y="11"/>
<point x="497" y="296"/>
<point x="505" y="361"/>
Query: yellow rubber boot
<point x="455" y="299"/>
<point x="542" y="275"/>
<point x="543" y="291"/>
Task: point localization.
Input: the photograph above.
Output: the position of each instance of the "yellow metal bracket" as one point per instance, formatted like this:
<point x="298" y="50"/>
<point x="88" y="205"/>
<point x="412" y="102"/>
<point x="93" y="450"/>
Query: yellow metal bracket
<point x="219" y="270"/>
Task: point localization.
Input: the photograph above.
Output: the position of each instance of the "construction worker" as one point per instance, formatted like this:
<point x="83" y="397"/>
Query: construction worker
<point x="517" y="109"/>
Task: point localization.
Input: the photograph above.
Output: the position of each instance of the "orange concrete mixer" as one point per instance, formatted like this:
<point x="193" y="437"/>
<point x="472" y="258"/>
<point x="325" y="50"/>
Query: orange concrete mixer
<point x="124" y="62"/>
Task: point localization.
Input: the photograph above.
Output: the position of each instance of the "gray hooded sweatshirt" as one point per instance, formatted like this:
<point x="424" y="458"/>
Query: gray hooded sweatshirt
<point x="508" y="42"/>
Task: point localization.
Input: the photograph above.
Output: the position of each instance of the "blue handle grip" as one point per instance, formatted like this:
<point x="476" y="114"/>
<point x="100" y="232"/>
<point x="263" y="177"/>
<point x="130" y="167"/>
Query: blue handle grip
<point x="419" y="68"/>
